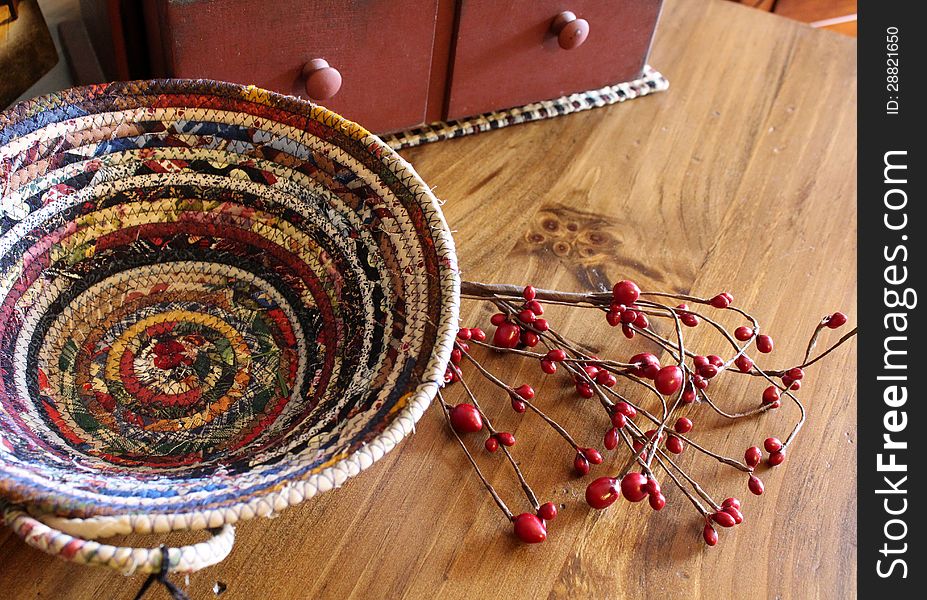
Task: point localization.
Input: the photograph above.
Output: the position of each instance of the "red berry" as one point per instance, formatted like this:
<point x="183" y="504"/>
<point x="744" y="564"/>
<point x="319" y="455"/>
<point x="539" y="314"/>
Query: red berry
<point x="584" y="390"/>
<point x="548" y="367"/>
<point x="507" y="335"/>
<point x="526" y="316"/>
<point x="683" y="425"/>
<point x="602" y="492"/>
<point x="541" y="325"/>
<point x="463" y="334"/>
<point x="715" y="360"/>
<point x="611" y="437"/>
<point x="700" y="362"/>
<point x="535" y="307"/>
<point x="770" y="394"/>
<point x="556" y="355"/>
<point x="505" y="438"/>
<point x="592" y="455"/>
<point x="668" y="380"/>
<point x="772" y="444"/>
<point x="465" y="418"/>
<point x="592" y="371"/>
<point x="632" y="487"/>
<point x="735" y="512"/>
<point x="647" y="365"/>
<point x="605" y="378"/>
<point x="710" y="535"/>
<point x="626" y="409"/>
<point x="675" y="445"/>
<point x="652" y="433"/>
<point x="722" y="300"/>
<point x="652" y="487"/>
<point x="498" y="319"/>
<point x="776" y="458"/>
<point x="530" y="339"/>
<point x="477" y="334"/>
<point x="619" y="420"/>
<point x="641" y="321"/>
<point x="548" y="511"/>
<point x="731" y="502"/>
<point x="744" y="363"/>
<point x="491" y="444"/>
<point x="756" y="485"/>
<point x="795" y="373"/>
<point x="752" y="456"/>
<point x="626" y="292"/>
<point x="456" y="356"/>
<point x="657" y="501"/>
<point x="580" y="464"/>
<point x="743" y="333"/>
<point x="628" y="317"/>
<point x="529" y="293"/>
<point x="688" y="394"/>
<point x="699" y="382"/>
<point x="525" y="391"/>
<point x="838" y="319"/>
<point x="764" y="344"/>
<point x="627" y="332"/>
<point x="723" y="519"/>
<point x="613" y="317"/>
<point x="530" y="528"/>
<point x="518" y="406"/>
<point x="708" y="371"/>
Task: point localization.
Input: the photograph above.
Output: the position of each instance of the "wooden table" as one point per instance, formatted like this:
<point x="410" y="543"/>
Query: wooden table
<point x="742" y="177"/>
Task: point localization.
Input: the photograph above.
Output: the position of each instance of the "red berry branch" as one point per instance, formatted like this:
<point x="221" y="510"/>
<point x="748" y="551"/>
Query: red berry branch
<point x="654" y="439"/>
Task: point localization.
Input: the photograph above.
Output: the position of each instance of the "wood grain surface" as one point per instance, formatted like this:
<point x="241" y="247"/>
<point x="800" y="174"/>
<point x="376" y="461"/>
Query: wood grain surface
<point x="741" y="177"/>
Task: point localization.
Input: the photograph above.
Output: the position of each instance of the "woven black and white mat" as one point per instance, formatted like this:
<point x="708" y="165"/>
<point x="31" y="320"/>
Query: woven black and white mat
<point x="651" y="81"/>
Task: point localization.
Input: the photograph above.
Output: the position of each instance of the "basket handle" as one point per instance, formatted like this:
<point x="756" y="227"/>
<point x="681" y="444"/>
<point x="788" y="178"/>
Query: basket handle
<point x="125" y="559"/>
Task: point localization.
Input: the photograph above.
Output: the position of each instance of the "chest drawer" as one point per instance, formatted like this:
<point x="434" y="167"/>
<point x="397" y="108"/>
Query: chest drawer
<point x="369" y="60"/>
<point x="508" y="53"/>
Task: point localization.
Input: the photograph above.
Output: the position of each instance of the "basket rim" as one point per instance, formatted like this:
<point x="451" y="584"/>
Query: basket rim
<point x="56" y="506"/>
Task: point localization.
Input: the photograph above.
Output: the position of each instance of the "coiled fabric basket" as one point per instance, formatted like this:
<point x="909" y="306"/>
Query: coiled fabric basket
<point x="215" y="302"/>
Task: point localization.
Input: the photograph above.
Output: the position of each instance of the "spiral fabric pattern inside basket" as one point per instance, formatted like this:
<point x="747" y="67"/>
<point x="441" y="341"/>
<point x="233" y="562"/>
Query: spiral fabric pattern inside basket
<point x="214" y="302"/>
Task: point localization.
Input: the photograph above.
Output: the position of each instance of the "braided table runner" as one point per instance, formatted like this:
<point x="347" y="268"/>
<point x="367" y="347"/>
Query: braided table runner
<point x="651" y="81"/>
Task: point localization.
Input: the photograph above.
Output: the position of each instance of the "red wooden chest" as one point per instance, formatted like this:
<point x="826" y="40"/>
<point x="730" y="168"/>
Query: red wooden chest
<point x="394" y="64"/>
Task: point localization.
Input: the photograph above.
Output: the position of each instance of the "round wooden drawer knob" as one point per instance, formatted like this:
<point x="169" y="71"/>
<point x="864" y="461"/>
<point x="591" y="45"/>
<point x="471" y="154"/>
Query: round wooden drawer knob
<point x="322" y="80"/>
<point x="570" y="31"/>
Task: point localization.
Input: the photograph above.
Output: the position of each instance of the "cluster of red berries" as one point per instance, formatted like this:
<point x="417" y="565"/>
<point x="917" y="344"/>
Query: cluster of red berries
<point x="728" y="516"/>
<point x="584" y="457"/>
<point x="532" y="529"/>
<point x="635" y="487"/>
<point x="522" y="328"/>
<point x="753" y="455"/>
<point x="621" y="413"/>
<point x="666" y="379"/>
<point x="466" y="418"/>
<point x="595" y="373"/>
<point x="623" y="311"/>
<point x="464" y="335"/>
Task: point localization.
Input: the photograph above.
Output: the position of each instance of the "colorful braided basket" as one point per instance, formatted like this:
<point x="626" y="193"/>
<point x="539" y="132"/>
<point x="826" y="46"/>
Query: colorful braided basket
<point x="215" y="302"/>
